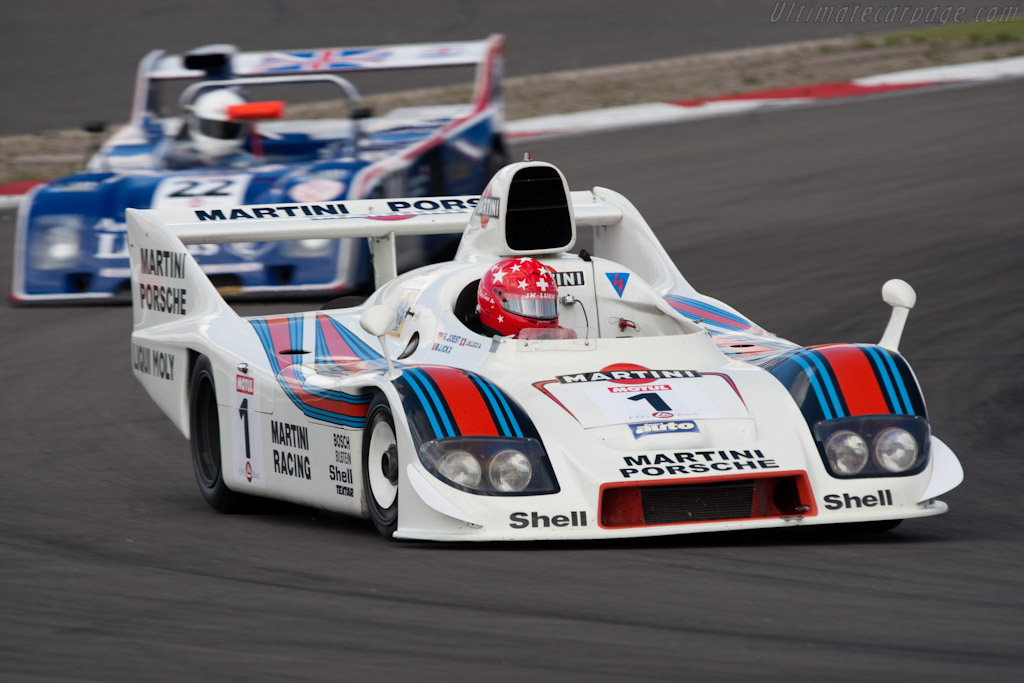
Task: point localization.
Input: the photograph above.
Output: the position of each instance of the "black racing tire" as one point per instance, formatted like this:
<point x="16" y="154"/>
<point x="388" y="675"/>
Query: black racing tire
<point x="204" y="427"/>
<point x="380" y="467"/>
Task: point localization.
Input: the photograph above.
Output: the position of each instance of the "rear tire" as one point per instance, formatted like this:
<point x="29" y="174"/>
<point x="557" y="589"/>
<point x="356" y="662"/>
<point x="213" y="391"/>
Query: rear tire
<point x="380" y="467"/>
<point x="204" y="427"/>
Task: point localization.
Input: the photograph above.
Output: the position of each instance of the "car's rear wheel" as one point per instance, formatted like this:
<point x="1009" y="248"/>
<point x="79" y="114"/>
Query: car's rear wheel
<point x="380" y="467"/>
<point x="204" y="426"/>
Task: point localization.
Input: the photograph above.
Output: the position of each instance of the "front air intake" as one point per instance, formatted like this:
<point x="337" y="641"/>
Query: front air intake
<point x="537" y="215"/>
<point x="653" y="504"/>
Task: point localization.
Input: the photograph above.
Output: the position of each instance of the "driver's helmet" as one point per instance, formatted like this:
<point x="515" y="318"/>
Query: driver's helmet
<point x="210" y="127"/>
<point x="517" y="293"/>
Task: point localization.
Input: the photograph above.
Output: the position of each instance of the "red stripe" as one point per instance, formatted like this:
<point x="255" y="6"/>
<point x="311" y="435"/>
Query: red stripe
<point x="464" y="401"/>
<point x="338" y="349"/>
<point x="819" y="91"/>
<point x="20" y="187"/>
<point x="280" y="336"/>
<point x="856" y="380"/>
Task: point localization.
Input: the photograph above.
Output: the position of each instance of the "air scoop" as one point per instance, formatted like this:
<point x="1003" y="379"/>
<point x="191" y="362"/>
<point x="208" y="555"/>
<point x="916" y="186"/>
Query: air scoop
<point x="901" y="296"/>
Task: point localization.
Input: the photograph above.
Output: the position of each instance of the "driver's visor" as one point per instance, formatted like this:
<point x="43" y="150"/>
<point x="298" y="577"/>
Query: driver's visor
<point x="222" y="130"/>
<point x="543" y="307"/>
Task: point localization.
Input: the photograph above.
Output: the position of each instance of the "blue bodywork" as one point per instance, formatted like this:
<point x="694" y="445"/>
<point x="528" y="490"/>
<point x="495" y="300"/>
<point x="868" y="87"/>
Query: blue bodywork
<point x="71" y="239"/>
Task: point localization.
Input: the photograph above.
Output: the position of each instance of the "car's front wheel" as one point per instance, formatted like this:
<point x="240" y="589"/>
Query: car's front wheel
<point x="380" y="467"/>
<point x="204" y="427"/>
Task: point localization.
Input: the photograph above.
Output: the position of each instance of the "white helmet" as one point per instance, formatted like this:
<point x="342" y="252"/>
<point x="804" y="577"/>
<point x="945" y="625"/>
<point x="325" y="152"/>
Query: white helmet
<point x="210" y="127"/>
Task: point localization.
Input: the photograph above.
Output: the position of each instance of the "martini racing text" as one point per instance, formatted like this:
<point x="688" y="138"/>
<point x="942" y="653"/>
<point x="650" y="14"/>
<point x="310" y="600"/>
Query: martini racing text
<point x="331" y="209"/>
<point x="694" y="462"/>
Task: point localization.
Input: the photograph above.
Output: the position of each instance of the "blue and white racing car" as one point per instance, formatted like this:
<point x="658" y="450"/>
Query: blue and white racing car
<point x="230" y="143"/>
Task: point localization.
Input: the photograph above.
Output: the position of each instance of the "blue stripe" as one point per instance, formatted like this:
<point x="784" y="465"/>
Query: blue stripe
<point x="263" y="332"/>
<point x="884" y="374"/>
<point x="321" y="344"/>
<point x="495" y="408"/>
<point x="439" y="405"/>
<point x="508" y="410"/>
<point x="827" y="381"/>
<point x="414" y="383"/>
<point x="709" y="308"/>
<point x="359" y="347"/>
<point x="295" y="334"/>
<point x="809" y="371"/>
<point x="899" y="381"/>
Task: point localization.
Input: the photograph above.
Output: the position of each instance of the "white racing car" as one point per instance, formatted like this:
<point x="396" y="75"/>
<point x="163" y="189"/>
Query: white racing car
<point x="524" y="390"/>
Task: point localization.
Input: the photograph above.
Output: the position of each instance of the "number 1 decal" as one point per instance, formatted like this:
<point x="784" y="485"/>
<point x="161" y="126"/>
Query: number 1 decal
<point x="657" y="402"/>
<point x="243" y="412"/>
<point x="246" y="439"/>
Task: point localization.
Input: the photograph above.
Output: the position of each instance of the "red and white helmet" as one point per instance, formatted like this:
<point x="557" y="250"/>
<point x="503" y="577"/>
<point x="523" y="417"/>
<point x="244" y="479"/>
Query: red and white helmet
<point x="517" y="293"/>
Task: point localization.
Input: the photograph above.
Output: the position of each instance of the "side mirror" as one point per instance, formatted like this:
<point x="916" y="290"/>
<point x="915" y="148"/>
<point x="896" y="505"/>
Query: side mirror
<point x="902" y="297"/>
<point x="377" y="321"/>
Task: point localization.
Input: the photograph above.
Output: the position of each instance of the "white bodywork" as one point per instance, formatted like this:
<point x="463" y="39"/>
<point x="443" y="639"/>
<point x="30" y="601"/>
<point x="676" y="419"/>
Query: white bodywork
<point x="731" y="420"/>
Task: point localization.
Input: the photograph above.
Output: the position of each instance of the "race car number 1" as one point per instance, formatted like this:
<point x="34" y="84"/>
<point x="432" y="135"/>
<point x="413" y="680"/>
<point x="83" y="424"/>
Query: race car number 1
<point x="247" y="444"/>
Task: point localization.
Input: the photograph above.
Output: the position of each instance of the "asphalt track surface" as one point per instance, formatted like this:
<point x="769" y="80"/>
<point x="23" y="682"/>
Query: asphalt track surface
<point x="65" y="62"/>
<point x="112" y="567"/>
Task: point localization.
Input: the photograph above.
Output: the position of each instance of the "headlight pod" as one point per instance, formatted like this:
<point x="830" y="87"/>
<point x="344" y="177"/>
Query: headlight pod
<point x="874" y="446"/>
<point x="490" y="466"/>
<point x="56" y="242"/>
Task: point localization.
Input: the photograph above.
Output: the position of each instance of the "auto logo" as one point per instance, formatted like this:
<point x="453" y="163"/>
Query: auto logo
<point x="640" y="429"/>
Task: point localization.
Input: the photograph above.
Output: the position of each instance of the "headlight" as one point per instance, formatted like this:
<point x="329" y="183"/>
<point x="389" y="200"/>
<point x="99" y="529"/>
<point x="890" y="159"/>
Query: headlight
<point x="874" y="445"/>
<point x="896" y="450"/>
<point x="461" y="468"/>
<point x="56" y="243"/>
<point x="847" y="452"/>
<point x="311" y="248"/>
<point x="490" y="466"/>
<point x="510" y="471"/>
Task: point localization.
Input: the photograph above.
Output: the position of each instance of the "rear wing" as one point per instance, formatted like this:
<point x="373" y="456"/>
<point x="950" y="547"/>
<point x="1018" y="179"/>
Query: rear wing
<point x="485" y="54"/>
<point x="167" y="282"/>
<point x="379" y="220"/>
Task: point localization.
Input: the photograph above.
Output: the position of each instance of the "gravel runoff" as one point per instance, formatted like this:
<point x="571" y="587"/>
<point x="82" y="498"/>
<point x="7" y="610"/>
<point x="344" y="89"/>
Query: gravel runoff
<point x="51" y="154"/>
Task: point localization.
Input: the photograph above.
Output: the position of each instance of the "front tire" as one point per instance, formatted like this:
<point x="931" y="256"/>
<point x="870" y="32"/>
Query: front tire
<point x="204" y="427"/>
<point x="380" y="467"/>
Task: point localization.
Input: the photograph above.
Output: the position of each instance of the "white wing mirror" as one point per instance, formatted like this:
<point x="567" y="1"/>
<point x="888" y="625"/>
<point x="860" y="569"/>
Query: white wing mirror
<point x="378" y="320"/>
<point x="902" y="297"/>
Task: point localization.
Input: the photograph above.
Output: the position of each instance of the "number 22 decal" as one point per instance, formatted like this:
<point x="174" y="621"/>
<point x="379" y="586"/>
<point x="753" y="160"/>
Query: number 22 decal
<point x="200" y="188"/>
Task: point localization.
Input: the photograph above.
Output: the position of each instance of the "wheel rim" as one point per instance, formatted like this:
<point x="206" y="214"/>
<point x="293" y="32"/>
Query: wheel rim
<point x="207" y="430"/>
<point x="382" y="466"/>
